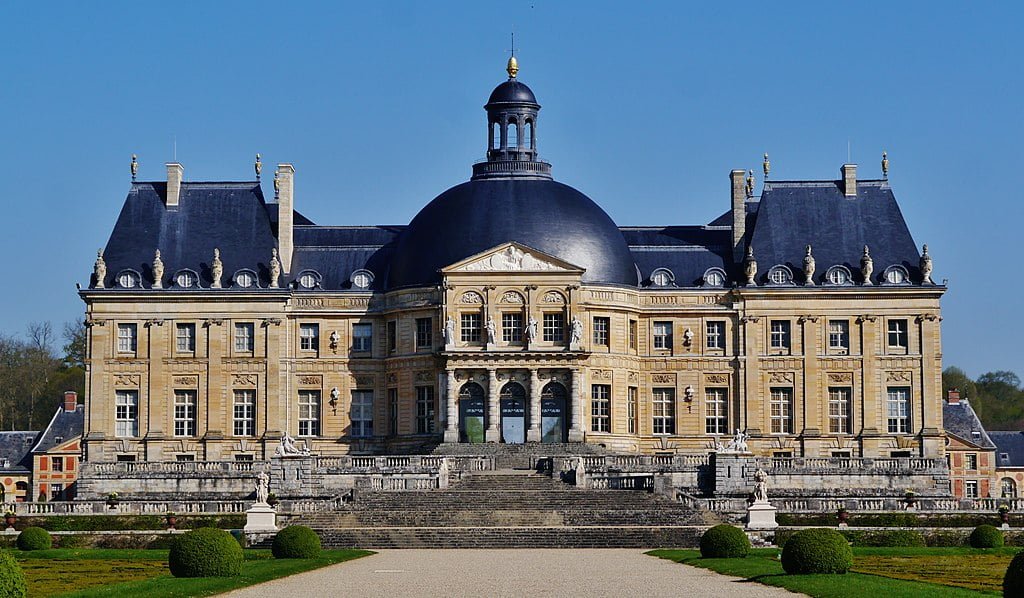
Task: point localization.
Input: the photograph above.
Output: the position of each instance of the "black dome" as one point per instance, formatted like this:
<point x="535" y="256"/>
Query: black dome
<point x="512" y="91"/>
<point x="480" y="214"/>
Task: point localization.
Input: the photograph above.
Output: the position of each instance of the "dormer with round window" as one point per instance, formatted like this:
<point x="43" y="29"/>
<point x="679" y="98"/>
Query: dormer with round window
<point x="838" y="276"/>
<point x="308" y="280"/>
<point x="780" y="276"/>
<point x="361" y="279"/>
<point x="895" y="275"/>
<point x="186" y="279"/>
<point x="128" y="279"/>
<point x="663" y="277"/>
<point x="245" y="279"/>
<point x="714" y="278"/>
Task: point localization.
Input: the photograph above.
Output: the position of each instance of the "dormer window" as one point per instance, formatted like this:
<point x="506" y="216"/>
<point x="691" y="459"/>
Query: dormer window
<point x="128" y="279"/>
<point x="662" y="277"/>
<point x="245" y="279"/>
<point x="895" y="275"/>
<point x="780" y="276"/>
<point x="309" y="279"/>
<point x="838" y="276"/>
<point x="361" y="279"/>
<point x="186" y="279"/>
<point x="714" y="277"/>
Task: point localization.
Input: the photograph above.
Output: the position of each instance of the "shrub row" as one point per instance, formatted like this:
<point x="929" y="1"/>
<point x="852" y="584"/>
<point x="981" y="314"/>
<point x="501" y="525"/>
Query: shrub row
<point x="12" y="580"/>
<point x="104" y="523"/>
<point x="896" y="537"/>
<point x="897" y="519"/>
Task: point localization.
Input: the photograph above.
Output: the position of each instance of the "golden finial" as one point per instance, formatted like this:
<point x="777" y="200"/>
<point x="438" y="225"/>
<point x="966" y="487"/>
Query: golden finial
<point x="258" y="166"/>
<point x="750" y="183"/>
<point x="512" y="68"/>
<point x="766" y="165"/>
<point x="135" y="166"/>
<point x="885" y="165"/>
<point x="277" y="186"/>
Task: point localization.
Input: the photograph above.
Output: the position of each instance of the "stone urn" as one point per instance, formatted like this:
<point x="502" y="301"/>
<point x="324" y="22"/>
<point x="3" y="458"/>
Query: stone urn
<point x="10" y="518"/>
<point x="843" y="516"/>
<point x="1004" y="515"/>
<point x="910" y="499"/>
<point x="172" y="520"/>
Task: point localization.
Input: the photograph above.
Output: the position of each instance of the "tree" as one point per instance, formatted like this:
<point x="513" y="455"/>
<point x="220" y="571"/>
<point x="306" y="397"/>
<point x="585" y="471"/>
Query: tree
<point x="75" y="344"/>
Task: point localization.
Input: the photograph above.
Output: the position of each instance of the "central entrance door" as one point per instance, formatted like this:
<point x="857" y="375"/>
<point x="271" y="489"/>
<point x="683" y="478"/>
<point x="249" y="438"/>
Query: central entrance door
<point x="513" y="413"/>
<point x="553" y="418"/>
<point x="471" y="413"/>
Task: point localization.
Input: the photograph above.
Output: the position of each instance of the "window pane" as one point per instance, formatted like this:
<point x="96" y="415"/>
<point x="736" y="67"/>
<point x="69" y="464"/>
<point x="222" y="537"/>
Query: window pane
<point x="716" y="417"/>
<point x="424" y="333"/>
<point x="600" y="407"/>
<point x="309" y="413"/>
<point x="898" y="410"/>
<point x="425" y="409"/>
<point x="601" y="326"/>
<point x="512" y="327"/>
<point x="470" y="329"/>
<point x="782" y="411"/>
<point x="184" y="413"/>
<point x="839" y="410"/>
<point x="664" y="404"/>
<point x="554" y="327"/>
<point x="244" y="341"/>
<point x="361" y="414"/>
<point x="245" y="413"/>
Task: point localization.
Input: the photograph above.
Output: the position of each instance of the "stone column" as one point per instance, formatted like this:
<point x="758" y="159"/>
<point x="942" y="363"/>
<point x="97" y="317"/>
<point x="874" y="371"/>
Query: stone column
<point x="492" y="434"/>
<point x="576" y="429"/>
<point x="451" y="432"/>
<point x="533" y="433"/>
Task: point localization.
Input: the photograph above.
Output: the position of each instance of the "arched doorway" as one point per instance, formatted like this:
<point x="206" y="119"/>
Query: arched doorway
<point x="471" y="413"/>
<point x="554" y="420"/>
<point x="513" y="413"/>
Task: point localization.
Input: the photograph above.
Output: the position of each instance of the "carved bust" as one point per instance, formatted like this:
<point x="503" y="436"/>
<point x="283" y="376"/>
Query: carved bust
<point x="158" y="271"/>
<point x="808" y="266"/>
<point x="867" y="266"/>
<point x="99" y="269"/>
<point x="216" y="269"/>
<point x="750" y="267"/>
<point x="926" y="267"/>
<point x="275" y="268"/>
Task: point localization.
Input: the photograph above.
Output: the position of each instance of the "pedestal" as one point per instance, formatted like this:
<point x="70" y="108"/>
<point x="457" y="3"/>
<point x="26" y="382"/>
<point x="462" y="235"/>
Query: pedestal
<point x="761" y="515"/>
<point x="260" y="517"/>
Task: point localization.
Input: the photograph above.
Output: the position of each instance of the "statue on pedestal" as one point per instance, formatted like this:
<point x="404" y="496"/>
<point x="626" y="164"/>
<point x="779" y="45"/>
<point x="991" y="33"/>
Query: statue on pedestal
<point x="216" y="269"/>
<point x="531" y="330"/>
<point x="449" y="331"/>
<point x="262" y="487"/>
<point x="867" y="266"/>
<point x="275" y="268"/>
<point x="760" y="486"/>
<point x="288" y="448"/>
<point x="100" y="269"/>
<point x="158" y="271"/>
<point x="750" y="267"/>
<point x="809" y="265"/>
<point x="926" y="267"/>
<point x="492" y="331"/>
<point x="575" y="332"/>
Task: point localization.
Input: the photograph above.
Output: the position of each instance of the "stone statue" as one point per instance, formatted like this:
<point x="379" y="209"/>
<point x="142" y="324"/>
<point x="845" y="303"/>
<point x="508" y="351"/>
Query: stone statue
<point x="750" y="183"/>
<point x="867" y="266"/>
<point x="581" y="473"/>
<point x="738" y="444"/>
<point x="808" y="266"/>
<point x="135" y="172"/>
<point x="760" y="486"/>
<point x="158" y="271"/>
<point x="926" y="267"/>
<point x="216" y="269"/>
<point x="492" y="331"/>
<point x="335" y="338"/>
<point x="531" y="330"/>
<point x="335" y="395"/>
<point x="288" y="448"/>
<point x="99" y="269"/>
<point x="262" y="487"/>
<point x="443" y="474"/>
<point x="275" y="268"/>
<point x="258" y="166"/>
<point x="885" y="165"/>
<point x="766" y="165"/>
<point x="449" y="331"/>
<point x="575" y="332"/>
<point x="277" y="185"/>
<point x="687" y="337"/>
<point x="750" y="267"/>
<point x="688" y="394"/>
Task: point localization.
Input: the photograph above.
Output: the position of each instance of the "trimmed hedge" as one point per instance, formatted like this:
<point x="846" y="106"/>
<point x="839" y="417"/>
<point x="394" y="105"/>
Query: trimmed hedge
<point x="818" y="550"/>
<point x="724" y="542"/>
<point x="110" y="523"/>
<point x="205" y="552"/>
<point x="34" y="538"/>
<point x="858" y="519"/>
<point x="296" y="542"/>
<point x="1013" y="580"/>
<point x="986" y="536"/>
<point x="12" y="580"/>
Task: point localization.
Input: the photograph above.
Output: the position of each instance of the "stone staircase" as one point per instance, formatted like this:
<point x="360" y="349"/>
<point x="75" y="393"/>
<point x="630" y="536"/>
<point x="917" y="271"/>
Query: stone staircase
<point x="518" y="456"/>
<point x="509" y="509"/>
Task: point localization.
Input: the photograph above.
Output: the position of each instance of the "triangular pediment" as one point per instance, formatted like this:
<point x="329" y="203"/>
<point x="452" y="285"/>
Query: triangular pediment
<point x="512" y="257"/>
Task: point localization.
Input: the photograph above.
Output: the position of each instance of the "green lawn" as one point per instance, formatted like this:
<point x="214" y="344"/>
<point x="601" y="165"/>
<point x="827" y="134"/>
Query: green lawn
<point x="112" y="573"/>
<point x="889" y="572"/>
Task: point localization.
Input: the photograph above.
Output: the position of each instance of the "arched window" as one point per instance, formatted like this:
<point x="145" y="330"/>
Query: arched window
<point x="1008" y="488"/>
<point x="513" y="133"/>
<point x="528" y="135"/>
<point x="714" y="277"/>
<point x="495" y="136"/>
<point x="838" y="276"/>
<point x="662" y="277"/>
<point x="780" y="275"/>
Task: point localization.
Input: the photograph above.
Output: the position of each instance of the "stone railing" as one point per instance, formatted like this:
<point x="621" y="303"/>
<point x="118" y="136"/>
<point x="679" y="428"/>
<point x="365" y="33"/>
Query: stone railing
<point x="175" y="467"/>
<point x="402" y="462"/>
<point x="637" y="463"/>
<point x="127" y="507"/>
<point x="775" y="465"/>
<point x="865" y="505"/>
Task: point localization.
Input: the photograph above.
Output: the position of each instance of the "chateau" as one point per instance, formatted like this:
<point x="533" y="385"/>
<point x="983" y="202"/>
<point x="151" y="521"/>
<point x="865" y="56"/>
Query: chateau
<point x="512" y="309"/>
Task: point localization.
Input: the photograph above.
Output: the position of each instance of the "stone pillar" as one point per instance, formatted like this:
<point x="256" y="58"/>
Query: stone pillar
<point x="451" y="432"/>
<point x="576" y="429"/>
<point x="533" y="433"/>
<point x="492" y="434"/>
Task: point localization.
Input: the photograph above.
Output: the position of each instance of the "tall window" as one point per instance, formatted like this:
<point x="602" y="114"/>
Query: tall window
<point x="56" y="463"/>
<point x="971" y="462"/>
<point x="663" y="335"/>
<point x="971" y="489"/>
<point x="244" y="333"/>
<point x="839" y="410"/>
<point x="309" y="413"/>
<point x="126" y="413"/>
<point x="632" y="394"/>
<point x="601" y="326"/>
<point x="898" y="409"/>
<point x="362" y="338"/>
<point x="512" y="327"/>
<point x="715" y="335"/>
<point x="309" y="337"/>
<point x="127" y="338"/>
<point x="839" y="334"/>
<point x="425" y="409"/>
<point x="245" y="413"/>
<point x="392" y="411"/>
<point x="632" y="334"/>
<point x="392" y="334"/>
<point x="780" y="338"/>
<point x="554" y="327"/>
<point x="600" y="408"/>
<point x="184" y="413"/>
<point x="185" y="338"/>
<point x="898" y="334"/>
<point x="424" y="333"/>
<point x="664" y="410"/>
<point x="362" y="413"/>
<point x="1008" y="488"/>
<point x="716" y="418"/>
<point x="470" y="329"/>
<point x="782" y="410"/>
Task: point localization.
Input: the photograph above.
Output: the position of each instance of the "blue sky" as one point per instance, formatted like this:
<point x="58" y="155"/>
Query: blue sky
<point x="647" y="106"/>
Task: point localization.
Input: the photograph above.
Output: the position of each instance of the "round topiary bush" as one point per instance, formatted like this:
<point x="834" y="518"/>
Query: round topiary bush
<point x="986" y="536"/>
<point x="724" y="542"/>
<point x="12" y="580"/>
<point x="296" y="542"/>
<point x="34" y="538"/>
<point x="205" y="552"/>
<point x="817" y="550"/>
<point x="1013" y="581"/>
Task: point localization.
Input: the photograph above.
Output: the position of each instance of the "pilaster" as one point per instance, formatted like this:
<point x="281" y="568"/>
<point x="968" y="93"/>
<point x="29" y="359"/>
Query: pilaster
<point x="576" y="402"/>
<point x="533" y="433"/>
<point x="451" y="432"/>
<point x="492" y="434"/>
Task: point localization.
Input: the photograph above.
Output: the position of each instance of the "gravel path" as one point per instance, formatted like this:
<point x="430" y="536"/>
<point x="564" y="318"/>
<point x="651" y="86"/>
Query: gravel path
<point x="493" y="573"/>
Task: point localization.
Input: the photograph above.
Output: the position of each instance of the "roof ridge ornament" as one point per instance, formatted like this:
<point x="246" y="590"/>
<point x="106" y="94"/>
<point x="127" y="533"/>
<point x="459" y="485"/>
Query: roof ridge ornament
<point x="926" y="267"/>
<point x="216" y="269"/>
<point x="135" y="167"/>
<point x="867" y="266"/>
<point x="766" y="165"/>
<point x="809" y="266"/>
<point x="275" y="268"/>
<point x="512" y="67"/>
<point x="750" y="184"/>
<point x="750" y="267"/>
<point x="158" y="271"/>
<point x="99" y="269"/>
<point x="885" y="165"/>
<point x="258" y="166"/>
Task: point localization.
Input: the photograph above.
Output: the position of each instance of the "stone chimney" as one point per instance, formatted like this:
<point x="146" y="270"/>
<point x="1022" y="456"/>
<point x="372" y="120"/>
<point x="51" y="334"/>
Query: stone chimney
<point x="739" y="212"/>
<point x="70" y="400"/>
<point x="850" y="180"/>
<point x="953" y="396"/>
<point x="285" y="214"/>
<point x="175" y="172"/>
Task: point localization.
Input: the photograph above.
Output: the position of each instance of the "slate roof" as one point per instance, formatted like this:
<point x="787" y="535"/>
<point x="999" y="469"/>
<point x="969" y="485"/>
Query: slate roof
<point x="64" y="426"/>
<point x="960" y="420"/>
<point x="1012" y="444"/>
<point x="15" y="451"/>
